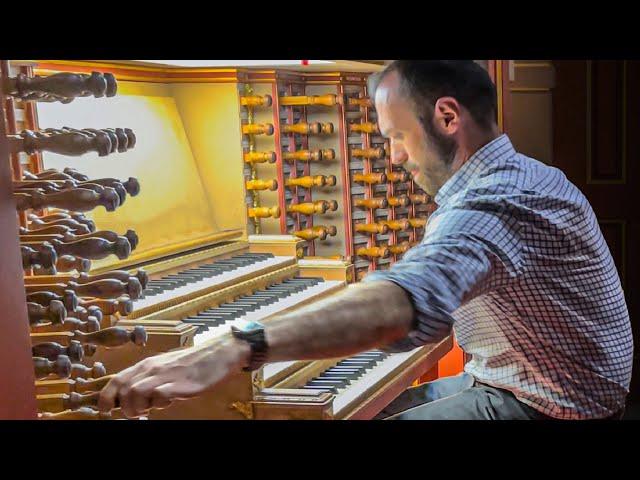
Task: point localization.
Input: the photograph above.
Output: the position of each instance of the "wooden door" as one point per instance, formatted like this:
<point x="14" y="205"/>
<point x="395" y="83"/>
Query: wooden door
<point x="596" y="128"/>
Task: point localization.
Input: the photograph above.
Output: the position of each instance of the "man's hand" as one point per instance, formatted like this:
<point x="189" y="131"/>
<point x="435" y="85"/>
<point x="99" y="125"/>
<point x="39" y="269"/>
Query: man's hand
<point x="156" y="381"/>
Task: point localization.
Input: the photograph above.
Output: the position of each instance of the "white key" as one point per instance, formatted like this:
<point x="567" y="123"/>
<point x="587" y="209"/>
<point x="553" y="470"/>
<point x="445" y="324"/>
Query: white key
<point x="272" y="369"/>
<point x="267" y="310"/>
<point x="346" y="395"/>
<point x="207" y="282"/>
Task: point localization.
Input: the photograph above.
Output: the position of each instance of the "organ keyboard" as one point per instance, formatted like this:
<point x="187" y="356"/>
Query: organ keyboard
<point x="184" y="284"/>
<point x="352" y="388"/>
<point x="183" y="278"/>
<point x="273" y="284"/>
<point x="261" y="304"/>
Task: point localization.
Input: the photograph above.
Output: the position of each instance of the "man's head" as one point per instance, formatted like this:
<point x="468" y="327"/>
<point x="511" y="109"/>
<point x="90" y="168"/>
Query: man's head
<point x="434" y="113"/>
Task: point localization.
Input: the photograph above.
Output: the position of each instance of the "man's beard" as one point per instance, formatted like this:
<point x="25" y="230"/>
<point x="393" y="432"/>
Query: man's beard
<point x="444" y="149"/>
<point x="444" y="146"/>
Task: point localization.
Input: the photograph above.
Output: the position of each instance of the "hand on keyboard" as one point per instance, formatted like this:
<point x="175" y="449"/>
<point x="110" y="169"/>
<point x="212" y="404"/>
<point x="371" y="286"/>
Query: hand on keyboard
<point x="157" y="381"/>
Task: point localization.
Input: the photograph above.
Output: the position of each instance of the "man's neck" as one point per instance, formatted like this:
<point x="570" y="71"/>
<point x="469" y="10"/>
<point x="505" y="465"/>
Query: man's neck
<point x="470" y="142"/>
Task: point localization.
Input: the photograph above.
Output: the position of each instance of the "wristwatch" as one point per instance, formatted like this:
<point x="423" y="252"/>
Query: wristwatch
<point x="252" y="333"/>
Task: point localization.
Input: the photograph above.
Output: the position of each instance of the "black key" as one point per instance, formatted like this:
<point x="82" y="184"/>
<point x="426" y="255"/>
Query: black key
<point x="322" y="384"/>
<point x="357" y="363"/>
<point x="231" y="306"/>
<point x="215" y="315"/>
<point x="346" y="370"/>
<point x="324" y="389"/>
<point x="336" y="375"/>
<point x="336" y="381"/>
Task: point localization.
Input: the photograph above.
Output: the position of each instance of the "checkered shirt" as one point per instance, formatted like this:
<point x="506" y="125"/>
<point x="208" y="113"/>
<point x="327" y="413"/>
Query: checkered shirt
<point x="514" y="261"/>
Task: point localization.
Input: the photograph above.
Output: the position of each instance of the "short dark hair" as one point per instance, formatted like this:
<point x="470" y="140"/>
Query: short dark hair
<point x="425" y="81"/>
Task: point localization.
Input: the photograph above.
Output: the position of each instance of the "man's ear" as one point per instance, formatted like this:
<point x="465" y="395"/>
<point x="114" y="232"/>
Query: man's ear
<point x="446" y="115"/>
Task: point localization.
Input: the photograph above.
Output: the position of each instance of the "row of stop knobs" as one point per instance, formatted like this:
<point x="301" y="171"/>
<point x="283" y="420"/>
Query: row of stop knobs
<point x="65" y="311"/>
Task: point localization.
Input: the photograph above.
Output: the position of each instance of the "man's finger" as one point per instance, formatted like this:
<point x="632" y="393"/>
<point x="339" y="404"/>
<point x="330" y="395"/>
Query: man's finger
<point x="141" y="394"/>
<point x="108" y="395"/>
<point x="160" y="396"/>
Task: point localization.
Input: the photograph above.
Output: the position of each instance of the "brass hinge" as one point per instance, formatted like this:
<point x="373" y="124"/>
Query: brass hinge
<point x="244" y="408"/>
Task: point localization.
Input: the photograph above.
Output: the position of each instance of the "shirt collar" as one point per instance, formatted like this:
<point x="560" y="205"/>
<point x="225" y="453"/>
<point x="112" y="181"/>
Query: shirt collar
<point x="499" y="148"/>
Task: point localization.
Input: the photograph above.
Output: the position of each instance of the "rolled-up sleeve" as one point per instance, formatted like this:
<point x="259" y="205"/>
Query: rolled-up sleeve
<point x="468" y="253"/>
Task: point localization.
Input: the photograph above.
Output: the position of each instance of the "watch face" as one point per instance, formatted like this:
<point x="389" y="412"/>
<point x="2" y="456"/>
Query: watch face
<point x="248" y="325"/>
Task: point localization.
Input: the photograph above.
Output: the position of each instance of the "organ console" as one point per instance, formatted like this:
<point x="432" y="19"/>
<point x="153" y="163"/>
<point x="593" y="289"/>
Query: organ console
<point x="98" y="300"/>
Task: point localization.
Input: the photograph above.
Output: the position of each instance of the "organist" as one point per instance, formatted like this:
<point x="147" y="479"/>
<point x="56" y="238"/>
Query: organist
<point x="512" y="261"/>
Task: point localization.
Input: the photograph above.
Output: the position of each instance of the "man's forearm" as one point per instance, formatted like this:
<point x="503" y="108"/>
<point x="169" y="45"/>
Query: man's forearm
<point x="362" y="317"/>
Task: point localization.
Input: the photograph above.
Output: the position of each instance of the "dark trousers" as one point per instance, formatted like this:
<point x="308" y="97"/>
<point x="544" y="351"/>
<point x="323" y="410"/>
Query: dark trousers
<point x="458" y="398"/>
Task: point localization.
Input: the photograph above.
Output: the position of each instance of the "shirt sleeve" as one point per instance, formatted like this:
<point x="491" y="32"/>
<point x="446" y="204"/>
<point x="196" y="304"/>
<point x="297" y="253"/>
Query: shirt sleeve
<point x="463" y="254"/>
